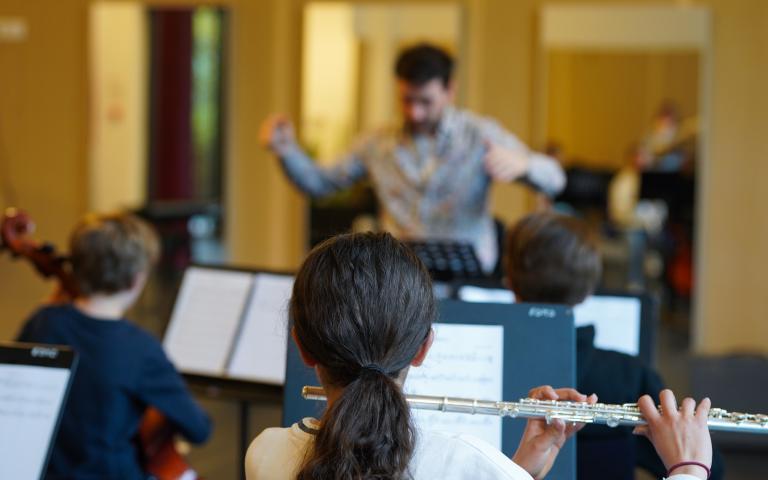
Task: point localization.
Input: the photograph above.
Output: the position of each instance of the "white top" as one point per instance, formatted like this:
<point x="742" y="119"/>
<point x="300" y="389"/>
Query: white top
<point x="277" y="454"/>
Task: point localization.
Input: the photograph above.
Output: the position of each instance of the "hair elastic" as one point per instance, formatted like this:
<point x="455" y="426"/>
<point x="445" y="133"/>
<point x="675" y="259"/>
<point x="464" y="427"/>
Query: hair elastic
<point x="372" y="367"/>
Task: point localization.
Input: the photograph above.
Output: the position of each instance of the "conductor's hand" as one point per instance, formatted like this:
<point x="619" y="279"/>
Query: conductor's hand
<point x="276" y="133"/>
<point x="678" y="435"/>
<point x="505" y="165"/>
<point x="541" y="442"/>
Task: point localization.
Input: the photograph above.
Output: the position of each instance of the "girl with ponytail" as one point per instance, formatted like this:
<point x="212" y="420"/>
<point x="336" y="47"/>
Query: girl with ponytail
<point x="362" y="310"/>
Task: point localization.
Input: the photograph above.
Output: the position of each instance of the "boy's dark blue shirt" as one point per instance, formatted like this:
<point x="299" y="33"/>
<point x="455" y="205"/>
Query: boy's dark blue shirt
<point x="121" y="371"/>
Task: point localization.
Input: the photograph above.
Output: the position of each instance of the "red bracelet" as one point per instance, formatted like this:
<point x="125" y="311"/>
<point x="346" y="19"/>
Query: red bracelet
<point x="684" y="464"/>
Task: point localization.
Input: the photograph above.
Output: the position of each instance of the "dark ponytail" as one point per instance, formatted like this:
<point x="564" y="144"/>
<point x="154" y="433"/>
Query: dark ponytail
<point x="362" y="306"/>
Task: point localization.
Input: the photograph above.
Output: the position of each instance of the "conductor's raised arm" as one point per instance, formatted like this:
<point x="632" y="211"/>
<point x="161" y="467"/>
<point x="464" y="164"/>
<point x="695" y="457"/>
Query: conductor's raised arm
<point x="278" y="136"/>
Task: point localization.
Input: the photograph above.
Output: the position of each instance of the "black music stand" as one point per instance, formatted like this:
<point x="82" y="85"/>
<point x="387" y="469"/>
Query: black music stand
<point x="448" y="261"/>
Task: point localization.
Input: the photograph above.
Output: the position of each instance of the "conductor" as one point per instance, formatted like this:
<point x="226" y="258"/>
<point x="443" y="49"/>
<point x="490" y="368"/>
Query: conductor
<point x="432" y="173"/>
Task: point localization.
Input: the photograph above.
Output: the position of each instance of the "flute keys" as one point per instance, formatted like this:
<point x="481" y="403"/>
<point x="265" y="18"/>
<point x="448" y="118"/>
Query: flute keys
<point x="717" y="413"/>
<point x="509" y="411"/>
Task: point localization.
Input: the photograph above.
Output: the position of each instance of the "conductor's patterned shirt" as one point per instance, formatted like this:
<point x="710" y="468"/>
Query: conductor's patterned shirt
<point x="430" y="187"/>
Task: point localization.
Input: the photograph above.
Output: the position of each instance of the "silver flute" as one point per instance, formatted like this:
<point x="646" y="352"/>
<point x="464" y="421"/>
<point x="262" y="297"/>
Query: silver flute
<point x="627" y="415"/>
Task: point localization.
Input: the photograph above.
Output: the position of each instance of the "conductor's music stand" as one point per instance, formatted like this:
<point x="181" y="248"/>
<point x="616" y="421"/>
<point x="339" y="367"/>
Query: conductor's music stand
<point x="448" y="261"/>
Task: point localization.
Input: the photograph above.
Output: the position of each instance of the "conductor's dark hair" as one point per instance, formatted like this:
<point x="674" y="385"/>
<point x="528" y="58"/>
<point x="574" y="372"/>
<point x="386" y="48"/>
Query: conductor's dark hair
<point x="362" y="306"/>
<point x="552" y="258"/>
<point x="423" y="63"/>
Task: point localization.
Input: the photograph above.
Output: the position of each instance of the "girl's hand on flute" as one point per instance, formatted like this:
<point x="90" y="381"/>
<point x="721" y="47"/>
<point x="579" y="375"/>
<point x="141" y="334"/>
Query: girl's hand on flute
<point x="541" y="442"/>
<point x="678" y="435"/>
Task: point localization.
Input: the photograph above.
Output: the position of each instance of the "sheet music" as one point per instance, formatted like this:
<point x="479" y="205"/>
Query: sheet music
<point x="206" y="318"/>
<point x="465" y="361"/>
<point x="261" y="347"/>
<point x="30" y="400"/>
<point x="616" y="321"/>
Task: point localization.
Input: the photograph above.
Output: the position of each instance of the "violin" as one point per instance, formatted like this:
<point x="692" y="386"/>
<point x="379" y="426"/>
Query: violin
<point x="16" y="226"/>
<point x="156" y="434"/>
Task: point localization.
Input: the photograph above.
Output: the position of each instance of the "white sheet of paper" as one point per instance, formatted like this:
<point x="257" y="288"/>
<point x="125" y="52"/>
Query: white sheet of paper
<point x="616" y="321"/>
<point x="30" y="400"/>
<point x="206" y="318"/>
<point x="470" y="293"/>
<point x="465" y="361"/>
<point x="616" y="318"/>
<point x="261" y="348"/>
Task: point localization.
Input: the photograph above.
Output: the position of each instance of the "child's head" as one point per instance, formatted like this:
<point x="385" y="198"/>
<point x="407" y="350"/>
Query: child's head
<point x="111" y="252"/>
<point x="362" y="310"/>
<point x="551" y="258"/>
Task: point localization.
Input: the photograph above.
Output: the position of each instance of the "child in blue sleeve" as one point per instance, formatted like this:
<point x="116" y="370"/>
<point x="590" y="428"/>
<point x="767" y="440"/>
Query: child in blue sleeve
<point x="122" y="369"/>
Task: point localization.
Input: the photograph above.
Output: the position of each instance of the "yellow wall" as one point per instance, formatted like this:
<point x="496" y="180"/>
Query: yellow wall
<point x="118" y="84"/>
<point x="44" y="121"/>
<point x="600" y="103"/>
<point x="329" y="89"/>
<point x="265" y="215"/>
<point x="43" y="135"/>
<point x="733" y="249"/>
